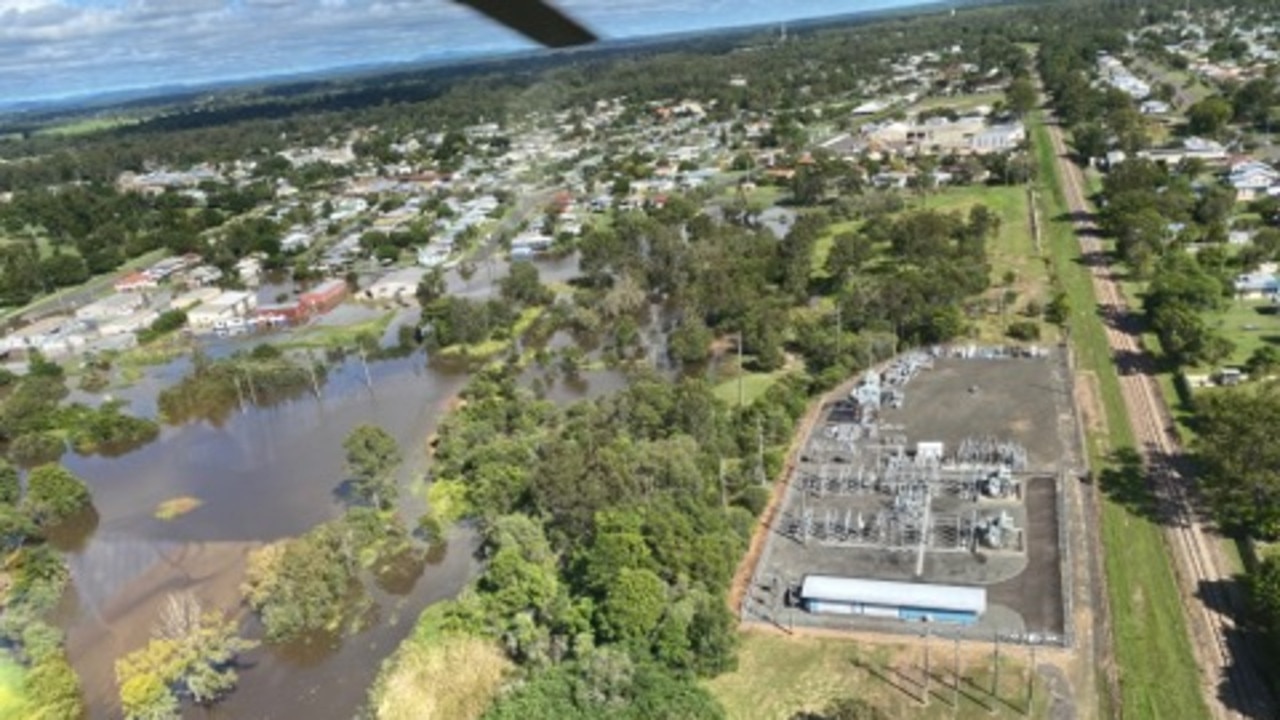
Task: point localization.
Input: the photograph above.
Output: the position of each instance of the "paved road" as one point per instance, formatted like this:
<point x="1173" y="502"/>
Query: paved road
<point x="1233" y="685"/>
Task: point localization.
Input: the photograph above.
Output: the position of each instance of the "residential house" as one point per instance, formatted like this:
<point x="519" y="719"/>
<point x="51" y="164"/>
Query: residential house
<point x="249" y="269"/>
<point x="202" y="276"/>
<point x="198" y="296"/>
<point x="136" y="282"/>
<point x="1252" y="178"/>
<point x="111" y="307"/>
<point x="397" y="285"/>
<point x="128" y="324"/>
<point x="1155" y="107"/>
<point x="1257" y="285"/>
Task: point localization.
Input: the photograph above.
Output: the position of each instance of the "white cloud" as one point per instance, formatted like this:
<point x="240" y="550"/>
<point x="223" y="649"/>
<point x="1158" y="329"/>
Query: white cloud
<point x="59" y="47"/>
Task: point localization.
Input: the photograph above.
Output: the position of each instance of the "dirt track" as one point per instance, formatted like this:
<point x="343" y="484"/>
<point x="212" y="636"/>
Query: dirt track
<point x="1232" y="686"/>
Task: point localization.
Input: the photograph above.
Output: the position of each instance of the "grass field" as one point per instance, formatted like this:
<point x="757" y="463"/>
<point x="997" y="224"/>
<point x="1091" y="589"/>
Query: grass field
<point x="822" y="248"/>
<point x="85" y="126"/>
<point x="1013" y="249"/>
<point x="780" y="676"/>
<point x="959" y="102"/>
<point x="12" y="698"/>
<point x="754" y="384"/>
<point x="1158" y="674"/>
<point x="337" y="336"/>
<point x="1250" y="324"/>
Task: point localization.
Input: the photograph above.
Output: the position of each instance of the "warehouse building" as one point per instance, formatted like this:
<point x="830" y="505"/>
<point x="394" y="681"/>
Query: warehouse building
<point x="925" y="602"/>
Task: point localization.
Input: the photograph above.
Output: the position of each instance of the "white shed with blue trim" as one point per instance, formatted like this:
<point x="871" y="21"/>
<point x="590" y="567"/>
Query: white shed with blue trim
<point x="886" y="598"/>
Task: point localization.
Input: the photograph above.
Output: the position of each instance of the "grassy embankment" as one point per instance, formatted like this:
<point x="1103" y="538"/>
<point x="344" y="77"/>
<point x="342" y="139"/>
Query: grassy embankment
<point x="338" y="336"/>
<point x="1158" y="674"/>
<point x="780" y="676"/>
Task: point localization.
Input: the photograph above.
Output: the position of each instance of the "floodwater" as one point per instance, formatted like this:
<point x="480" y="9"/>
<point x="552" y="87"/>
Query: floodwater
<point x="265" y="474"/>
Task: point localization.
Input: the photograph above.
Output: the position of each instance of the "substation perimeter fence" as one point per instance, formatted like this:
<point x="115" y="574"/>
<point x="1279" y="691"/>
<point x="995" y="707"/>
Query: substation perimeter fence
<point x="1065" y="560"/>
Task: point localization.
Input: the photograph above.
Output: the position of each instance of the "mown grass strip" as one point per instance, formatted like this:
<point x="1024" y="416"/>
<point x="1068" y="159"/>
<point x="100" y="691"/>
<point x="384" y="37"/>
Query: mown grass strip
<point x="1158" y="673"/>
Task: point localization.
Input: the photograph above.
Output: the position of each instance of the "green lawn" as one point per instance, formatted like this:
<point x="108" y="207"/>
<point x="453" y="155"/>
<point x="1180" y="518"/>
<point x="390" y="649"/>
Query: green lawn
<point x="337" y="336"/>
<point x="822" y="248"/>
<point x="779" y="677"/>
<point x="85" y="126"/>
<point x="1158" y="674"/>
<point x="959" y="102"/>
<point x="754" y="384"/>
<point x="1245" y="324"/>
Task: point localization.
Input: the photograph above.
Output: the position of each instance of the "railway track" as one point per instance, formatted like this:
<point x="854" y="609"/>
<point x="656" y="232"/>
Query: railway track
<point x="1234" y="689"/>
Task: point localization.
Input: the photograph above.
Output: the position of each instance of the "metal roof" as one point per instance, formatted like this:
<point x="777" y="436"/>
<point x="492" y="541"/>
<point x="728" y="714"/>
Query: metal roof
<point x="956" y="598"/>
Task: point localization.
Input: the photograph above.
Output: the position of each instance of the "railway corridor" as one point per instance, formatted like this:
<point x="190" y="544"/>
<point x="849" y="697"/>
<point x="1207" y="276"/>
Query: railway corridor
<point x="1233" y="687"/>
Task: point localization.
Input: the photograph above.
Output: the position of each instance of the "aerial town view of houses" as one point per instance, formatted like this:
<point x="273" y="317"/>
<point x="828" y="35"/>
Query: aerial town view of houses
<point x="878" y="367"/>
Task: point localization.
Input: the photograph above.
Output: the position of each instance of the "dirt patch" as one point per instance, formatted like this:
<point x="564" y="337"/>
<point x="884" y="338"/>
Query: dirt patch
<point x="1088" y="397"/>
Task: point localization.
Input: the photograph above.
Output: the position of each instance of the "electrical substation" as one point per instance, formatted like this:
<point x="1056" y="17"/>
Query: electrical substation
<point x="930" y="493"/>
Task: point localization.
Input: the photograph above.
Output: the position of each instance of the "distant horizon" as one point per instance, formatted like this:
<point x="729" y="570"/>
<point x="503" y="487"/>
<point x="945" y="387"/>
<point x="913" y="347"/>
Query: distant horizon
<point x="154" y="45"/>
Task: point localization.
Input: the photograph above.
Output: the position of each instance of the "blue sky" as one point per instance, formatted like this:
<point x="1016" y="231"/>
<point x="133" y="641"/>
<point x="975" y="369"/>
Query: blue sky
<point x="59" y="48"/>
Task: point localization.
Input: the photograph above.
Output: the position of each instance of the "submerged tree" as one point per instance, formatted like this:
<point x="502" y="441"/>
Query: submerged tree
<point x="192" y="653"/>
<point x="372" y="456"/>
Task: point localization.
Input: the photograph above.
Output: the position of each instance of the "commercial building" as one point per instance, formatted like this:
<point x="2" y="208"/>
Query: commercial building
<point x="324" y="297"/>
<point x="224" y="307"/>
<point x="896" y="600"/>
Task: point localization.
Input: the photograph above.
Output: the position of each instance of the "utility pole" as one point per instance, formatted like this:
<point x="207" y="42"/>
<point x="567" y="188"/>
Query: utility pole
<point x="1031" y="680"/>
<point x="839" y="332"/>
<point x="724" y="496"/>
<point x="995" y="673"/>
<point x="763" y="476"/>
<point x="311" y="368"/>
<point x="740" y="368"/>
<point x="955" y="673"/>
<point x="364" y="359"/>
<point x="925" y="700"/>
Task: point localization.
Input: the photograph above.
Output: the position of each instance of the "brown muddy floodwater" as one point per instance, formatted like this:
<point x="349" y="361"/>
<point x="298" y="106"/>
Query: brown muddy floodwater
<point x="265" y="474"/>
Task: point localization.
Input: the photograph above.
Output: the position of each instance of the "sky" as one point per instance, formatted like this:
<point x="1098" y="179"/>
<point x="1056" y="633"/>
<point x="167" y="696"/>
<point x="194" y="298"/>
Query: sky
<point x="65" y="48"/>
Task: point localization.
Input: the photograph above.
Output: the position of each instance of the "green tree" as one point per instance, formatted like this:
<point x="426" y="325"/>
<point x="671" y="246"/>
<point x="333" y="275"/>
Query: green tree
<point x="146" y="696"/>
<point x="849" y="253"/>
<point x="54" y="493"/>
<point x="51" y="686"/>
<point x="1264" y="592"/>
<point x="1021" y="96"/>
<point x="633" y="605"/>
<point x="372" y="456"/>
<point x="10" y="484"/>
<point x="1090" y="141"/>
<point x="1240" y="457"/>
<point x="1209" y="116"/>
<point x="301" y="585"/>
<point x="1263" y="362"/>
<point x="522" y="285"/>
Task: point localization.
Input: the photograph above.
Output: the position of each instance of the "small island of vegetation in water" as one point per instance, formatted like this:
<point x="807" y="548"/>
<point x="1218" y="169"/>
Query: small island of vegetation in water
<point x="39" y="428"/>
